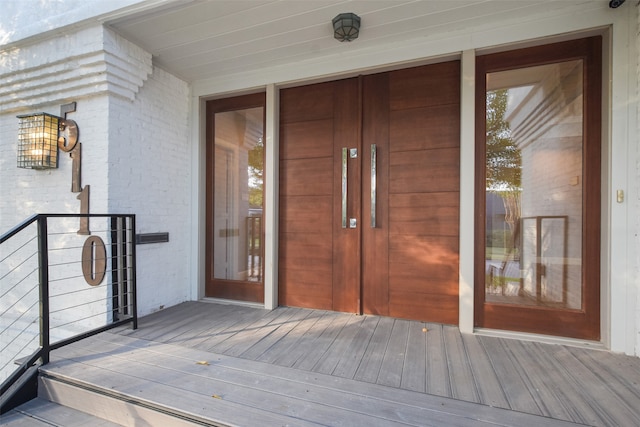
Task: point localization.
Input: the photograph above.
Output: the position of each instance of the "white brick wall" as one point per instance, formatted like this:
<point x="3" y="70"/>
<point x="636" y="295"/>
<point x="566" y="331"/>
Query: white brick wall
<point x="86" y="63"/>
<point x="26" y="191"/>
<point x="26" y="18"/>
<point x="149" y="175"/>
<point x="135" y="147"/>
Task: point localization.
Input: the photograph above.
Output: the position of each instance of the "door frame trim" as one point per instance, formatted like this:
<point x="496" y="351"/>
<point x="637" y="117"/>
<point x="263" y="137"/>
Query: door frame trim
<point x="584" y="322"/>
<point x="467" y="252"/>
<point x="271" y="196"/>
<point x="617" y="327"/>
<point x="615" y="331"/>
<point x="242" y="290"/>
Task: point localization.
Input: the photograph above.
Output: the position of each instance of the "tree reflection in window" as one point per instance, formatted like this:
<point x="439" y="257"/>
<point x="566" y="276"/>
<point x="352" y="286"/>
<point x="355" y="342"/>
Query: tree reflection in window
<point x="503" y="169"/>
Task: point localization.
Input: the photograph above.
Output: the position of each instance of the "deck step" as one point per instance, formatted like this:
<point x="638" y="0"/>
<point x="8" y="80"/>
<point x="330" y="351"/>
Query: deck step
<point x="137" y="382"/>
<point x="43" y="413"/>
<point x="117" y="409"/>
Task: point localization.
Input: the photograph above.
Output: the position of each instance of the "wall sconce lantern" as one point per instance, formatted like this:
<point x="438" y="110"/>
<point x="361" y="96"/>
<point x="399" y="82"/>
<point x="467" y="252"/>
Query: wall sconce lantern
<point x="346" y="27"/>
<point x="40" y="135"/>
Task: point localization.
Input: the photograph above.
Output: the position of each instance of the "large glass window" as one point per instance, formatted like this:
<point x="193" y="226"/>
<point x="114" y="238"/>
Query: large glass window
<point x="238" y="194"/>
<point x="534" y="185"/>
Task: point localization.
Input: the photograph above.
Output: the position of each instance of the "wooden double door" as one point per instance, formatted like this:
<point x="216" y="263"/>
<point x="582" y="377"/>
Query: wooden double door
<point x="369" y="194"/>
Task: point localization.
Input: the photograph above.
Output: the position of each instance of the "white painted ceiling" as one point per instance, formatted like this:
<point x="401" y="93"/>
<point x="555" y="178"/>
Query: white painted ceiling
<point x="198" y="39"/>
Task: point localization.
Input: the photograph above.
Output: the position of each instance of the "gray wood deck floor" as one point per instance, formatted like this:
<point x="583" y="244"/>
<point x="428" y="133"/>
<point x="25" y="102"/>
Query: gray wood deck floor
<point x="383" y="369"/>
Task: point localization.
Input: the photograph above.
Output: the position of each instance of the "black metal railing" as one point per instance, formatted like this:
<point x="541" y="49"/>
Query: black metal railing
<point x="58" y="286"/>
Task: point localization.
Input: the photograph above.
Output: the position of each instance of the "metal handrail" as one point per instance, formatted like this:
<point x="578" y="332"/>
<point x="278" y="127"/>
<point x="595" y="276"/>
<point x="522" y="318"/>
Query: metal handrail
<point x="122" y="234"/>
<point x="18" y="228"/>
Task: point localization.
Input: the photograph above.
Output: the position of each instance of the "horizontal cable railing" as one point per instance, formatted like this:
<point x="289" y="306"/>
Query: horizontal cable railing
<point x="58" y="286"/>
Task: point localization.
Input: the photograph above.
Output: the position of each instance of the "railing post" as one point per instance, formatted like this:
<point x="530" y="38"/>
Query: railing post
<point x="134" y="285"/>
<point x="116" y="274"/>
<point x="43" y="268"/>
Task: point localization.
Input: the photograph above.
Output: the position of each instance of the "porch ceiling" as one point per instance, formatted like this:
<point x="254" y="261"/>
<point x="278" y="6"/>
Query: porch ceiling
<point x="198" y="39"/>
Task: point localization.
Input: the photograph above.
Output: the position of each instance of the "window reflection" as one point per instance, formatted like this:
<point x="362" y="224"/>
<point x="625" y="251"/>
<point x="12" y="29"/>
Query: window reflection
<point x="534" y="173"/>
<point x="238" y="195"/>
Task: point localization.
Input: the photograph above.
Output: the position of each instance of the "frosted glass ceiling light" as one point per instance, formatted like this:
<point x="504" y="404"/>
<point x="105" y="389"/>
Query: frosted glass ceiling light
<point x="346" y="27"/>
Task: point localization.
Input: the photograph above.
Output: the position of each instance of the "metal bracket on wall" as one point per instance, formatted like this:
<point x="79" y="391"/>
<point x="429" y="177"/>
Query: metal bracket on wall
<point x="142" y="239"/>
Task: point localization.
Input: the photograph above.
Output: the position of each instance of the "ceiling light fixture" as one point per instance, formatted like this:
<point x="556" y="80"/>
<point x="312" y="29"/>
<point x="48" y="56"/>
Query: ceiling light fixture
<point x="346" y="27"/>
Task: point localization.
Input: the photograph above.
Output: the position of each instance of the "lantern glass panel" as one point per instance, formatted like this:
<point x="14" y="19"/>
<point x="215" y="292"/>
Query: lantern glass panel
<point x="38" y="141"/>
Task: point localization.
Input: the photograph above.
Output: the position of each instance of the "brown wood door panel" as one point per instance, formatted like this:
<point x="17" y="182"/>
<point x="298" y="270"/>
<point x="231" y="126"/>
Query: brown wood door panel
<point x="346" y="241"/>
<point x="375" y="242"/>
<point x="436" y="84"/>
<point x="319" y="172"/>
<point x="309" y="137"/>
<point x="425" y="128"/>
<point x="434" y="280"/>
<point x="307" y="252"/>
<point x="305" y="210"/>
<point x="424" y="264"/>
<point x="425" y="171"/>
<point x="425" y="213"/>
<point x="316" y="121"/>
<point x="423" y="192"/>
<point x="424" y="307"/>
<point x="313" y="102"/>
<point x="412" y="116"/>
<point x="305" y="269"/>
<point x="299" y="288"/>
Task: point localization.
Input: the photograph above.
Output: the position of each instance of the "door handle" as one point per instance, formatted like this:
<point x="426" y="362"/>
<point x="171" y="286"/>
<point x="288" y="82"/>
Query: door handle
<point x="344" y="187"/>
<point x="373" y="185"/>
<point x="346" y="154"/>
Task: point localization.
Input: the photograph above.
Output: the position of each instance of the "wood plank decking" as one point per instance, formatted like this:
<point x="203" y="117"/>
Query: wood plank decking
<point x="327" y="368"/>
<point x="43" y="413"/>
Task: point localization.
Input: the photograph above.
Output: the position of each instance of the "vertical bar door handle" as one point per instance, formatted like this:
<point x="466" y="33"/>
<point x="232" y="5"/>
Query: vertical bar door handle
<point x="344" y="187"/>
<point x="373" y="185"/>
